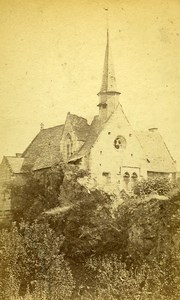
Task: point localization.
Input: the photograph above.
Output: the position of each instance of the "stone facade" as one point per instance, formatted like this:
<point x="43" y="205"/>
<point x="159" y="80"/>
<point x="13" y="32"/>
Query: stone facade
<point x="9" y="173"/>
<point x="115" y="154"/>
<point x="5" y="176"/>
<point x="113" y="164"/>
<point x="69" y="143"/>
<point x="109" y="149"/>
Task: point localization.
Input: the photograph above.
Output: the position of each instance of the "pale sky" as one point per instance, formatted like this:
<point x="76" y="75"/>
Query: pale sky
<point x="51" y="58"/>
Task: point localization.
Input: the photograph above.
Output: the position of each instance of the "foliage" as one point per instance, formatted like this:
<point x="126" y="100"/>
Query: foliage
<point x="36" y="195"/>
<point x="87" y="225"/>
<point x="72" y="243"/>
<point x="31" y="256"/>
<point x="114" y="281"/>
<point x="41" y="192"/>
<point x="11" y="250"/>
<point x="159" y="185"/>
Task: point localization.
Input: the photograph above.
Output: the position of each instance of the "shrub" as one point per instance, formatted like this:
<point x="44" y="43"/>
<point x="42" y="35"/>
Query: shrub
<point x="31" y="256"/>
<point x="58" y="284"/>
<point x="159" y="185"/>
<point x="11" y="271"/>
<point x="114" y="281"/>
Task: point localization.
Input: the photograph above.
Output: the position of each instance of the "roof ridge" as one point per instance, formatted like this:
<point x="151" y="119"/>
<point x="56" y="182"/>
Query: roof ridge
<point x="31" y="142"/>
<point x="43" y="130"/>
<point x="78" y="116"/>
<point x="52" y="127"/>
<point x="167" y="148"/>
<point x="147" y="140"/>
<point x="8" y="164"/>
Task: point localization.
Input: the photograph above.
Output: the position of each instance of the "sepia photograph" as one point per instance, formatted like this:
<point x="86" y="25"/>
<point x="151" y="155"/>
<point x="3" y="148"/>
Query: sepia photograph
<point x="90" y="150"/>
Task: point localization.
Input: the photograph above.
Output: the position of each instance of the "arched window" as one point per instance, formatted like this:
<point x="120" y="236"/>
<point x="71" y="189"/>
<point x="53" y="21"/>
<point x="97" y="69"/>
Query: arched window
<point x="69" y="145"/>
<point x="134" y="178"/>
<point x="126" y="178"/>
<point x="126" y="175"/>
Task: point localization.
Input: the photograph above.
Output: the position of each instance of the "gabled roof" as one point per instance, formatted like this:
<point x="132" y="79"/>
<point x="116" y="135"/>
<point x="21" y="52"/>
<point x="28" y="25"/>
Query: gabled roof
<point x="158" y="156"/>
<point x="14" y="163"/>
<point x="44" y="149"/>
<point x="80" y="126"/>
<point x="94" y="130"/>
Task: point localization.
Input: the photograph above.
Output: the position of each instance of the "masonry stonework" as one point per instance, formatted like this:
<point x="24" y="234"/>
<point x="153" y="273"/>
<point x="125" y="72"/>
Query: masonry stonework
<point x="112" y="152"/>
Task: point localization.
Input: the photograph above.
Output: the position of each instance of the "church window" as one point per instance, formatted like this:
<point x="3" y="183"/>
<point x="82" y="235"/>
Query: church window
<point x="69" y="145"/>
<point x="126" y="175"/>
<point x="134" y="179"/>
<point x="4" y="196"/>
<point x="107" y="177"/>
<point x="134" y="176"/>
<point x="68" y="150"/>
<point x="126" y="178"/>
<point x="104" y="105"/>
<point x="120" y="142"/>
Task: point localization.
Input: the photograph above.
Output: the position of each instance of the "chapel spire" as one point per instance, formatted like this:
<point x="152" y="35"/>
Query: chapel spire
<point x="108" y="79"/>
<point x="108" y="95"/>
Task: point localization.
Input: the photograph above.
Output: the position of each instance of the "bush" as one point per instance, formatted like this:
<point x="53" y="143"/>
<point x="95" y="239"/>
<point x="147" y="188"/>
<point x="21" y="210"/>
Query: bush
<point x="114" y="281"/>
<point x="34" y="254"/>
<point x="57" y="284"/>
<point x="31" y="257"/>
<point x="159" y="185"/>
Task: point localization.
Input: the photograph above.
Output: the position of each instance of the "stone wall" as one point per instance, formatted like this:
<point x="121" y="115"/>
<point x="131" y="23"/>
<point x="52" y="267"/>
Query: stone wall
<point x="108" y="164"/>
<point x="5" y="177"/>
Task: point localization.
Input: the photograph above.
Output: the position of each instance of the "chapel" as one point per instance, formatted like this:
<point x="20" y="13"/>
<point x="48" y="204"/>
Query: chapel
<point x="109" y="148"/>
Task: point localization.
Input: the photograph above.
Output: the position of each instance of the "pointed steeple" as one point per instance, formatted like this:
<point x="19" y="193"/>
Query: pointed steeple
<point x="108" y="85"/>
<point x="108" y="95"/>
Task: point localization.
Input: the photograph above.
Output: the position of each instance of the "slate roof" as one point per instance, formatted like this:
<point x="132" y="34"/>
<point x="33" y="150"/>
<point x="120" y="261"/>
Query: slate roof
<point x="44" y="150"/>
<point x="94" y="130"/>
<point x="15" y="164"/>
<point x="47" y="159"/>
<point x="50" y="148"/>
<point x="80" y="126"/>
<point x="156" y="151"/>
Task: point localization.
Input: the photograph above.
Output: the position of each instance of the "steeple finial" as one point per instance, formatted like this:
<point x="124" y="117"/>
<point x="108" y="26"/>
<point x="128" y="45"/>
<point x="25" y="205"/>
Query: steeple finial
<point x="107" y="20"/>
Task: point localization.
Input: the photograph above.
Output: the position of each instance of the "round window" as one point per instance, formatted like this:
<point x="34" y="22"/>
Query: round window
<point x="120" y="142"/>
